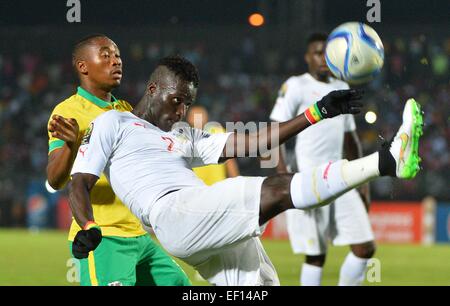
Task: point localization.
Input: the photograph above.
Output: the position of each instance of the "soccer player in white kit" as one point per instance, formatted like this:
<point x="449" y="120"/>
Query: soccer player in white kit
<point x="148" y="160"/>
<point x="346" y="221"/>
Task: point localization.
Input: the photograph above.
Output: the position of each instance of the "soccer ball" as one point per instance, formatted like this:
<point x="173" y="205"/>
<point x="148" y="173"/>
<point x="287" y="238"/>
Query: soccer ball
<point x="354" y="53"/>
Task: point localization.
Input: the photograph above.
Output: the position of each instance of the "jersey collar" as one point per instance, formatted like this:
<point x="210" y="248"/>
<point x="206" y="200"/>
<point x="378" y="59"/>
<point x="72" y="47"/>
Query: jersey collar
<point x="97" y="101"/>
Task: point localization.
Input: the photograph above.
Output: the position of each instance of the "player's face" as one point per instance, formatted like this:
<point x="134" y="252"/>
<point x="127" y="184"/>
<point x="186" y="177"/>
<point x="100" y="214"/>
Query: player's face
<point x="315" y="58"/>
<point x="174" y="102"/>
<point x="103" y="63"/>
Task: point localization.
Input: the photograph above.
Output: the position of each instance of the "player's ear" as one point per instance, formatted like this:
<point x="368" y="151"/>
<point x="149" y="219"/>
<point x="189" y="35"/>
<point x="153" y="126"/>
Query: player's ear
<point x="81" y="67"/>
<point x="151" y="88"/>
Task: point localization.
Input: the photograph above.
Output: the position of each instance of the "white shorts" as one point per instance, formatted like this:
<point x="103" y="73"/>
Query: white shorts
<point x="344" y="222"/>
<point x="196" y="223"/>
<point x="243" y="264"/>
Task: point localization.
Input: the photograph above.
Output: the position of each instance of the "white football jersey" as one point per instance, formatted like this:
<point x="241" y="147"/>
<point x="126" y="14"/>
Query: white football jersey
<point x="323" y="141"/>
<point x="142" y="162"/>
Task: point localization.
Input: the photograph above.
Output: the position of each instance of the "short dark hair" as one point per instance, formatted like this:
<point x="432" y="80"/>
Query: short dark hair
<point x="83" y="43"/>
<point x="318" y="36"/>
<point x="182" y="68"/>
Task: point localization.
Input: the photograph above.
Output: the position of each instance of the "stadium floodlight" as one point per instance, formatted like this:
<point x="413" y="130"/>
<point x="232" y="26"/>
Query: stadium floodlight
<point x="256" y="20"/>
<point x="370" y="117"/>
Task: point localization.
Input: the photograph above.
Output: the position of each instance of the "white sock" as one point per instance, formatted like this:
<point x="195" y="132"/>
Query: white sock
<point x="353" y="271"/>
<point x="310" y="275"/>
<point x="318" y="186"/>
<point x="361" y="170"/>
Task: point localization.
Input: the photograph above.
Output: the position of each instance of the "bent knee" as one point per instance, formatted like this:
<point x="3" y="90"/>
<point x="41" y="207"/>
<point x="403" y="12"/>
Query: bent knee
<point x="365" y="250"/>
<point x="316" y="260"/>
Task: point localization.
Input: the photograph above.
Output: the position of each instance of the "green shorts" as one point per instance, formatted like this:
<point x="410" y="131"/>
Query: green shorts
<point x="136" y="261"/>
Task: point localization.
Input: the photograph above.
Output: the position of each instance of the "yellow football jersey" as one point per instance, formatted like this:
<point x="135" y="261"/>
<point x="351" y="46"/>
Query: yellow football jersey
<point x="212" y="174"/>
<point x="110" y="213"/>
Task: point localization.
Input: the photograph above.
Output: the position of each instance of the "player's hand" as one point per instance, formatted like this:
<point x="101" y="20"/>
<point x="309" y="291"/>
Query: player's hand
<point x="64" y="129"/>
<point x="86" y="241"/>
<point x="340" y="102"/>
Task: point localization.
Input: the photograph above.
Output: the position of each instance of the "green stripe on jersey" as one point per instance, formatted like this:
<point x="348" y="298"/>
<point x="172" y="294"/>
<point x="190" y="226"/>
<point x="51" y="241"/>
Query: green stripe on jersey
<point x="55" y="144"/>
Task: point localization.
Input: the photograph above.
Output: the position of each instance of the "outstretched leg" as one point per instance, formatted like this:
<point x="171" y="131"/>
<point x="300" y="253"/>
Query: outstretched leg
<point x="320" y="185"/>
<point x="316" y="186"/>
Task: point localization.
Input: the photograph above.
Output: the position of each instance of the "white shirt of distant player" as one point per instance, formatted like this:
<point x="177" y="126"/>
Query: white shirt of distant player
<point x="323" y="141"/>
<point x="142" y="162"/>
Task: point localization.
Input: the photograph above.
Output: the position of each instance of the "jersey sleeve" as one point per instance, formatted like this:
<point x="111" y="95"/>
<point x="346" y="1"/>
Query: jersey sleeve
<point x="97" y="145"/>
<point x="53" y="142"/>
<point x="287" y="103"/>
<point x="207" y="147"/>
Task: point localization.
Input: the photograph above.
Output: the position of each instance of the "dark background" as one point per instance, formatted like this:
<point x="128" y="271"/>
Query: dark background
<point x="215" y="12"/>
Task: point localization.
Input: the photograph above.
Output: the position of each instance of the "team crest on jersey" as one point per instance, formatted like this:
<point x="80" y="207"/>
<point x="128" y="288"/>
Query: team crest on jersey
<point x="87" y="134"/>
<point x="282" y="90"/>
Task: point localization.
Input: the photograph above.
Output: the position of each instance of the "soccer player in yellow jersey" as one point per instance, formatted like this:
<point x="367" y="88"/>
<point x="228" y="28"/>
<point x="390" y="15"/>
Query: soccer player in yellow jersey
<point x="126" y="255"/>
<point x="198" y="117"/>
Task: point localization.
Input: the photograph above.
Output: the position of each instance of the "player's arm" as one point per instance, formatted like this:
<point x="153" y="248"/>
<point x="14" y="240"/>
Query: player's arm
<point x="333" y="104"/>
<point x="353" y="150"/>
<point x="90" y="236"/>
<point x="79" y="198"/>
<point x="60" y="160"/>
<point x="92" y="157"/>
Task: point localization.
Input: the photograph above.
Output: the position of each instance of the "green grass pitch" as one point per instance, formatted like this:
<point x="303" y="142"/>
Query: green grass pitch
<point x="41" y="259"/>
